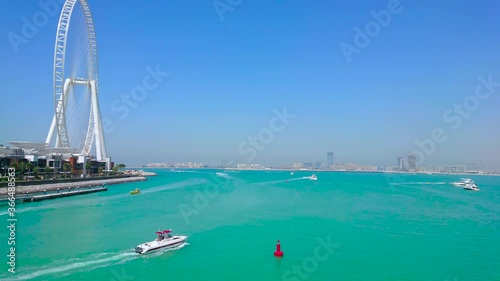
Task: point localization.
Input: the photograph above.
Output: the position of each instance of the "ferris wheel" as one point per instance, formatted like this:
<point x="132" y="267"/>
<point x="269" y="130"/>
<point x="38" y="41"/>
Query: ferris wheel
<point x="77" y="120"/>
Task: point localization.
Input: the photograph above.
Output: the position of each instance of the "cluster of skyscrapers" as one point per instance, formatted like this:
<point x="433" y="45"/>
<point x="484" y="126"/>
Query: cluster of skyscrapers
<point x="412" y="163"/>
<point x="317" y="165"/>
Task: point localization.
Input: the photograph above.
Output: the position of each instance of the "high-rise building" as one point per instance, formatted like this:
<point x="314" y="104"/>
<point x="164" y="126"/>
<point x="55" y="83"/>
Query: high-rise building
<point x="472" y="167"/>
<point x="412" y="162"/>
<point x="329" y="160"/>
<point x="401" y="164"/>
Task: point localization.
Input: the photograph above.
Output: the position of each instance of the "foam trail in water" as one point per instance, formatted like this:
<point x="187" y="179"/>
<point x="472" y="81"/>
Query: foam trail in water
<point x="187" y="171"/>
<point x="160" y="252"/>
<point x="94" y="201"/>
<point x="281" y="181"/>
<point x="416" y="183"/>
<point x="176" y="185"/>
<point x="61" y="269"/>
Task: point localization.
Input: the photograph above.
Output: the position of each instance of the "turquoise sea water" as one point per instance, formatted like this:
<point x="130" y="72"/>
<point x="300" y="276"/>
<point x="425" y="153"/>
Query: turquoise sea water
<point x="345" y="226"/>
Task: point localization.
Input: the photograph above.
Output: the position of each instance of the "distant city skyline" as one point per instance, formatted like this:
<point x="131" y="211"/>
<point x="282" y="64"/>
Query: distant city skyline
<point x="223" y="81"/>
<point x="471" y="168"/>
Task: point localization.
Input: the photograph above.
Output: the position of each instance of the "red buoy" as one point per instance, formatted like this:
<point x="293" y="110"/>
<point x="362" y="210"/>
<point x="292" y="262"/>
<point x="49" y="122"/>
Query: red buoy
<point x="278" y="252"/>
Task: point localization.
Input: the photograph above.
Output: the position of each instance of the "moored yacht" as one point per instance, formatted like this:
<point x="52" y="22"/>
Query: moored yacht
<point x="164" y="240"/>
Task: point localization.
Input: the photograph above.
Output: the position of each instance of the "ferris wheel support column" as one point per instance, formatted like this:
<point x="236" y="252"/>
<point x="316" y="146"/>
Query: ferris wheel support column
<point x="60" y="105"/>
<point x="51" y="131"/>
<point x="100" y="144"/>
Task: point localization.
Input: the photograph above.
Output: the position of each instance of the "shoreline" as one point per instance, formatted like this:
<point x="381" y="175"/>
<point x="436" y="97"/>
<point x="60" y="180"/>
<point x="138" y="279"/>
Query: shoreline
<point x="320" y="171"/>
<point x="60" y="186"/>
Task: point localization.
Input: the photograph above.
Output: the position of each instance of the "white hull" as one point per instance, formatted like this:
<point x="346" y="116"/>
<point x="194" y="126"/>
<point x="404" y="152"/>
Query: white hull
<point x="467" y="184"/>
<point x="471" y="187"/>
<point x="313" y="178"/>
<point x="167" y="243"/>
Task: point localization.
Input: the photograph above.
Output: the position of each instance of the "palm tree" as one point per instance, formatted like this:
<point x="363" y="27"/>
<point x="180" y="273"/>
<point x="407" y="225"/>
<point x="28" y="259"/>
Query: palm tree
<point x="29" y="166"/>
<point x="35" y="171"/>
<point x="22" y="167"/>
<point x="14" y="165"/>
<point x="100" y="170"/>
<point x="66" y="168"/>
<point x="88" y="166"/>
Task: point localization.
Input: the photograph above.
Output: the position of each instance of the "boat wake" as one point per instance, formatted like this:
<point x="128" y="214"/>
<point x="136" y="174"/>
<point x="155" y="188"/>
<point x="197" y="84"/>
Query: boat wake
<point x="161" y="252"/>
<point x="175" y="186"/>
<point x="74" y="265"/>
<point x="103" y="199"/>
<point x="66" y="267"/>
<point x="417" y="183"/>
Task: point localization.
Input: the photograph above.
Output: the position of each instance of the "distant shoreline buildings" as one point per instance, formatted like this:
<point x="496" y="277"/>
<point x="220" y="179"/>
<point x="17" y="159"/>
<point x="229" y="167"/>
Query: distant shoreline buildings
<point x="408" y="165"/>
<point x="177" y="165"/>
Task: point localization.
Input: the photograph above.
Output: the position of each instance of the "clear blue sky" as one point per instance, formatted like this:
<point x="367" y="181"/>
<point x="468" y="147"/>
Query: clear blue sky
<point x="227" y="76"/>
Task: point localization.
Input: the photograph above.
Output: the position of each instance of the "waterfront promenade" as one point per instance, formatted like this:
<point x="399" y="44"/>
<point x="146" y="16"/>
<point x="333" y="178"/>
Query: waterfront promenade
<point x="40" y="189"/>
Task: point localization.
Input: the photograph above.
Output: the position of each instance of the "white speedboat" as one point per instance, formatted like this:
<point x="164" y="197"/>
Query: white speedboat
<point x="463" y="182"/>
<point x="471" y="186"/>
<point x="165" y="240"/>
<point x="313" y="177"/>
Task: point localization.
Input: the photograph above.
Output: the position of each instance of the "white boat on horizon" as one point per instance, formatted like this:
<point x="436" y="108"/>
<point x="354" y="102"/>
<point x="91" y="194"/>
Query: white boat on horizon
<point x="165" y="240"/>
<point x="313" y="177"/>
<point x="463" y="182"/>
<point x="467" y="183"/>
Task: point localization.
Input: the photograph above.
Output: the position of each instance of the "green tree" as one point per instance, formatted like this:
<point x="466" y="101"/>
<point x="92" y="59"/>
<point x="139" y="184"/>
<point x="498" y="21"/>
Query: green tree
<point x="66" y="168"/>
<point x="14" y="165"/>
<point x="46" y="170"/>
<point x="36" y="170"/>
<point x="121" y="166"/>
<point x="88" y="166"/>
<point x="22" y="168"/>
<point x="29" y="166"/>
<point x="100" y="170"/>
<point x="115" y="168"/>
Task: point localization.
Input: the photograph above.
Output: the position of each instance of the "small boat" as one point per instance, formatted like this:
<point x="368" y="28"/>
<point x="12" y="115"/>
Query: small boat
<point x="291" y="173"/>
<point x="135" y="191"/>
<point x="165" y="240"/>
<point x="463" y="182"/>
<point x="313" y="177"/>
<point x="471" y="186"/>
